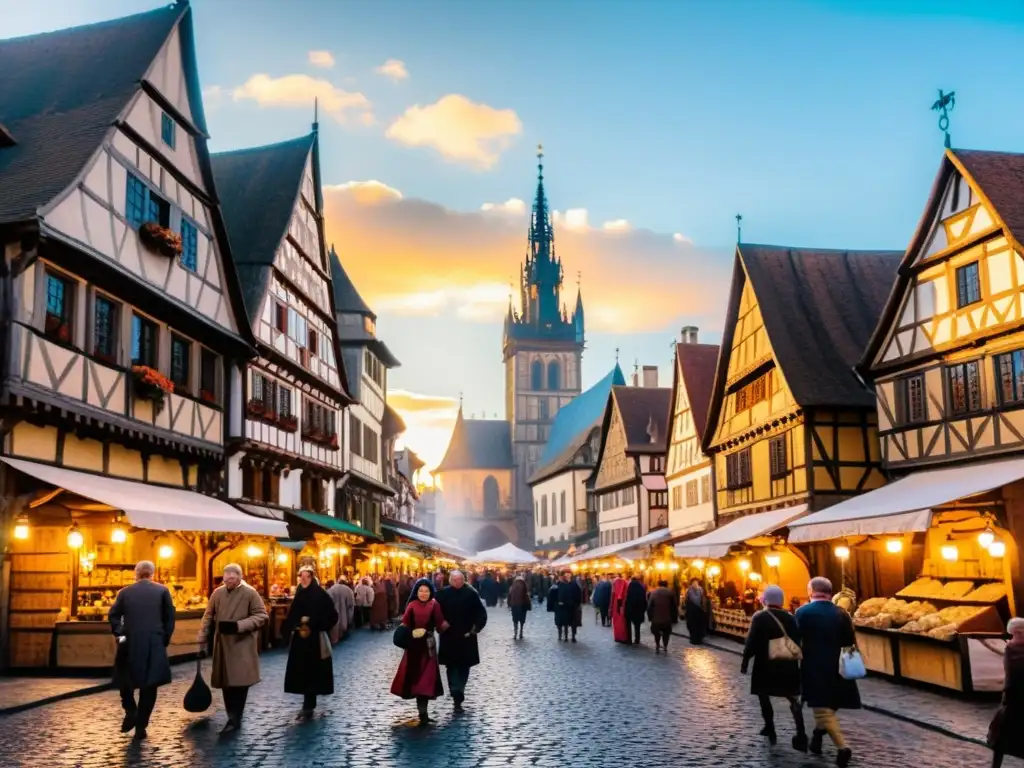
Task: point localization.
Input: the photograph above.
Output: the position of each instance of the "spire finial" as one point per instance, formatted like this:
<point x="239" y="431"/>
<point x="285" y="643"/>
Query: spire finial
<point x="739" y="228"/>
<point x="944" y="105"/>
<point x="460" y="401"/>
<point x="540" y="161"/>
<point x="616" y="355"/>
<point x="316" y="114"/>
<point x="579" y="278"/>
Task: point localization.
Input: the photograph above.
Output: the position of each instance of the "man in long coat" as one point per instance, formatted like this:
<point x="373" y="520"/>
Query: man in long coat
<point x="344" y="600"/>
<point x="567" y="598"/>
<point x="233" y="618"/>
<point x="458" y="652"/>
<point x="142" y="619"/>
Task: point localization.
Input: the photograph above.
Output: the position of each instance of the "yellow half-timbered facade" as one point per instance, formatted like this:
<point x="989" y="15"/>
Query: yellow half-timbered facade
<point x="790" y="421"/>
<point x="948" y="356"/>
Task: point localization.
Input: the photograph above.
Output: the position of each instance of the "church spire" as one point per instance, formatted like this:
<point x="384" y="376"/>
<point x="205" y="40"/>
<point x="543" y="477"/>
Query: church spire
<point x="542" y="274"/>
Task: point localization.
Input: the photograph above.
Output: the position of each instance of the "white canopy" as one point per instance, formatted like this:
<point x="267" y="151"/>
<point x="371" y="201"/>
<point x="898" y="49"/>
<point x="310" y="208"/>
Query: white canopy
<point x="506" y="553"/>
<point x="617" y="549"/>
<point x="155" y="507"/>
<point x="716" y="543"/>
<point x="429" y="541"/>
<point x="905" y="505"/>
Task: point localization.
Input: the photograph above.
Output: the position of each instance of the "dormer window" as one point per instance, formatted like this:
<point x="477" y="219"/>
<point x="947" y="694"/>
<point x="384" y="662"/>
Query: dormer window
<point x="167" y="130"/>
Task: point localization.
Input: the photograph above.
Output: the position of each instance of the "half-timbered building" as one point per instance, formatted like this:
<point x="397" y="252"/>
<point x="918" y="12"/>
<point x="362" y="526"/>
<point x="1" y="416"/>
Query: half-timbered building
<point x="629" y="476"/>
<point x="688" y="468"/>
<point x="370" y="429"/>
<point x="285" y="449"/>
<point x="123" y="332"/>
<point x="790" y="422"/>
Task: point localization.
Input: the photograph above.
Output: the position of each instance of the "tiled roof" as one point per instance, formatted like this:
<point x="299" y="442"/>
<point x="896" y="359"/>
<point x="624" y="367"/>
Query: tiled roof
<point x="258" y="188"/>
<point x="392" y="424"/>
<point x="697" y="363"/>
<point x="478" y="444"/>
<point x="574" y="422"/>
<point x="644" y="412"/>
<point x="59" y="94"/>
<point x="819" y="308"/>
<point x="346" y="297"/>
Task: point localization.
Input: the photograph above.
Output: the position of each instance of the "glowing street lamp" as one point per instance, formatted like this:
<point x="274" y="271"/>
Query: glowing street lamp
<point x="21" y="528"/>
<point x="894" y="546"/>
<point x="75" y="537"/>
<point x="997" y="548"/>
<point x="986" y="537"/>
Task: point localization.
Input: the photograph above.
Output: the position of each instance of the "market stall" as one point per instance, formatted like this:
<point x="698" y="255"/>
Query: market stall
<point x="736" y="560"/>
<point x="931" y="562"/>
<point x="77" y="543"/>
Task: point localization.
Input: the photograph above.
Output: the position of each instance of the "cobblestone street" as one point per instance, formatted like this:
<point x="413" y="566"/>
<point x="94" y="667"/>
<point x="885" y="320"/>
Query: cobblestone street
<point x="533" y="702"/>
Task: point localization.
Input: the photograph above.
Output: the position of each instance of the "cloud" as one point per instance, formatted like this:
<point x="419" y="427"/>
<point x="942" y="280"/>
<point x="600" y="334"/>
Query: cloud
<point x="513" y="206"/>
<point x="681" y="238"/>
<point x="212" y="95"/>
<point x="616" y="225"/>
<point x="322" y="59"/>
<point x="416" y="258"/>
<point x="428" y="423"/>
<point x="370" y="192"/>
<point x="302" y="91"/>
<point x="393" y="68"/>
<point x="462" y="130"/>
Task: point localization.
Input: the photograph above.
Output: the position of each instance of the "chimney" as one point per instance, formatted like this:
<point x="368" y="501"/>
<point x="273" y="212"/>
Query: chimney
<point x="688" y="335"/>
<point x="651" y="376"/>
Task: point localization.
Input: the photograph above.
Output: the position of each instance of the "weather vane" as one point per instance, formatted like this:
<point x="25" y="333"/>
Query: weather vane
<point x="739" y="229"/>
<point x="579" y="277"/>
<point x="944" y="105"/>
<point x="616" y="355"/>
<point x="460" y="401"/>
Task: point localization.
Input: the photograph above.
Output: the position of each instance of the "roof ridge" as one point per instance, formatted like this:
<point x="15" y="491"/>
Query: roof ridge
<point x="179" y="8"/>
<point x="304" y="139"/>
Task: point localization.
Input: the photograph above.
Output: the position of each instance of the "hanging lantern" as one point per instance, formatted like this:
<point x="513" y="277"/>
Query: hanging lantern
<point x="75" y="537"/>
<point x="166" y="552"/>
<point x="894" y="546"/>
<point x="282" y="557"/>
<point x="698" y="564"/>
<point x="744" y="565"/>
<point x="754" y="576"/>
<point x="842" y="552"/>
<point x="21" y="528"/>
<point x="714" y="570"/>
<point x="986" y="537"/>
<point x="773" y="561"/>
<point x="253" y="551"/>
<point x="674" y="566"/>
<point x="659" y="565"/>
<point x="997" y="548"/>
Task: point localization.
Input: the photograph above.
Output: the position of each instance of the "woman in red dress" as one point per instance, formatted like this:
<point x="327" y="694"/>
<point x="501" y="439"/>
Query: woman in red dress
<point x="419" y="676"/>
<point x="620" y="627"/>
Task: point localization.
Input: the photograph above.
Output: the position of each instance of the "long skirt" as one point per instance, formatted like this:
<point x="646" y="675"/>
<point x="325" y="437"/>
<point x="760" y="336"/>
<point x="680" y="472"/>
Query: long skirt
<point x="379" y="610"/>
<point x="620" y="627"/>
<point x="1003" y="734"/>
<point x="696" y="622"/>
<point x="419" y="673"/>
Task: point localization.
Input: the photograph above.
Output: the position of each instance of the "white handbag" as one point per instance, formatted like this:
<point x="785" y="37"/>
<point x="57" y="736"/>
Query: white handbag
<point x="783" y="648"/>
<point x="851" y="664"/>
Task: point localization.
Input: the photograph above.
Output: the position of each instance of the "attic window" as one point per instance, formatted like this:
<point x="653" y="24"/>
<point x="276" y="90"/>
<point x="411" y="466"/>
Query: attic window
<point x="167" y="129"/>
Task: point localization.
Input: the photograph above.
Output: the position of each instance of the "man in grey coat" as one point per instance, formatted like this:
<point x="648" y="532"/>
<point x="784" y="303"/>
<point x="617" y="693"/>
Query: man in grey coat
<point x="143" y="621"/>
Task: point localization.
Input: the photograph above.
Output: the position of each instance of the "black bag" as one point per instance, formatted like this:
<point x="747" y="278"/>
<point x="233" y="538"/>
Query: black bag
<point x="199" y="697"/>
<point x="402" y="637"/>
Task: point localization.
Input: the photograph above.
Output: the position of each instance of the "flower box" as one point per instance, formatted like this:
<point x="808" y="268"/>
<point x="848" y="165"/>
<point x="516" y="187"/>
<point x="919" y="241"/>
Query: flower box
<point x="160" y="239"/>
<point x="333" y="442"/>
<point x="207" y="396"/>
<point x="150" y="384"/>
<point x="103" y="356"/>
<point x="255" y="407"/>
<point x="288" y="423"/>
<point x="57" y="329"/>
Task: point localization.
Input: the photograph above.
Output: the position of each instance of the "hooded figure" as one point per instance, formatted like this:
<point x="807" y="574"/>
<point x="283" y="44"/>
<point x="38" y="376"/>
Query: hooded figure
<point x="419" y="675"/>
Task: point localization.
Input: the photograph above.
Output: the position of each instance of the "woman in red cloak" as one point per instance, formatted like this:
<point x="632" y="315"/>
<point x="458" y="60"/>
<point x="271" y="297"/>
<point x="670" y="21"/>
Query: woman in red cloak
<point x="620" y="627"/>
<point x="419" y="676"/>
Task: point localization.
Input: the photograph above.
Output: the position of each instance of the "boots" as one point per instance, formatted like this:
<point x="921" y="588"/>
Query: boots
<point x="769" y="732"/>
<point x="458" y="698"/>
<point x="843" y="757"/>
<point x="421" y="706"/>
<point x="800" y="740"/>
<point x="574" y="634"/>
<point x="816" y="741"/>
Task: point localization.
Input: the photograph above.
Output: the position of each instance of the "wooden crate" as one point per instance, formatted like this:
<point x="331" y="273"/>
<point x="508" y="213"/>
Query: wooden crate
<point x="877" y="652"/>
<point x="30" y="648"/>
<point x="935" y="663"/>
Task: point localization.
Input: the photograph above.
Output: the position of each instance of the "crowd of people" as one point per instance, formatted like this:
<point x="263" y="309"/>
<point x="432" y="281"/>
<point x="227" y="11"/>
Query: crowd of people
<point x="796" y="656"/>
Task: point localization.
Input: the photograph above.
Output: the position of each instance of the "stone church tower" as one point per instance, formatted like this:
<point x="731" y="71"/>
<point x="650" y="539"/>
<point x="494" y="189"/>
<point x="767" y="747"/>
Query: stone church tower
<point x="543" y="350"/>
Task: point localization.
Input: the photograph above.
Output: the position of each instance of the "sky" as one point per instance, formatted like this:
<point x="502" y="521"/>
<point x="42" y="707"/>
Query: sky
<point x="661" y="120"/>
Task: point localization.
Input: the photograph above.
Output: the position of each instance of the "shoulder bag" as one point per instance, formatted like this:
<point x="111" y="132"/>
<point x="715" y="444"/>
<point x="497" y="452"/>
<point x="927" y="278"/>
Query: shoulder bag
<point x="851" y="663"/>
<point x="782" y="648"/>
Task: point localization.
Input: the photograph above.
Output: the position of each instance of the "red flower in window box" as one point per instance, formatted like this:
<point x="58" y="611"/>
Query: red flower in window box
<point x="334" y="442"/>
<point x="56" y="328"/>
<point x="207" y="396"/>
<point x="160" y="239"/>
<point x="255" y="407"/>
<point x="150" y="384"/>
<point x="288" y="423"/>
<point x="313" y="435"/>
<point x="105" y="357"/>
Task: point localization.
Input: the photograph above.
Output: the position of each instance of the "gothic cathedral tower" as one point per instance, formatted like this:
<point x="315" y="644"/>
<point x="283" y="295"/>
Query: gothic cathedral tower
<point x="543" y="350"/>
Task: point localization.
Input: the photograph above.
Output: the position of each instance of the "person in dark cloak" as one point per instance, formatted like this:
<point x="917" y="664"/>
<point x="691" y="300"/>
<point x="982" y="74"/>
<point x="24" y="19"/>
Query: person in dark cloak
<point x="1005" y="737"/>
<point x="459" y="651"/>
<point x="489" y="590"/>
<point x="567" y="598"/>
<point x="697" y="612"/>
<point x="519" y="603"/>
<point x="636" y="606"/>
<point x="602" y="599"/>
<point x="310" y="670"/>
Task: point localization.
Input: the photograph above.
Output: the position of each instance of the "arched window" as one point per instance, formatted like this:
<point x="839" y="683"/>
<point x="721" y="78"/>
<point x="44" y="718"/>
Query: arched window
<point x="536" y="375"/>
<point x="490" y="496"/>
<point x="554" y="375"/>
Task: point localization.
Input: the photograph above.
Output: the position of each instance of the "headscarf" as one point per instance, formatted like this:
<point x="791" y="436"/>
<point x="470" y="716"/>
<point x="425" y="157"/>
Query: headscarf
<point x="773" y="596"/>
<point x="416" y="588"/>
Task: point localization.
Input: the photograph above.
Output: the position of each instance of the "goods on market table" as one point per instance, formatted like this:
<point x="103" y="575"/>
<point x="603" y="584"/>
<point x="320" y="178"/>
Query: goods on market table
<point x="987" y="593"/>
<point x="914" y="617"/>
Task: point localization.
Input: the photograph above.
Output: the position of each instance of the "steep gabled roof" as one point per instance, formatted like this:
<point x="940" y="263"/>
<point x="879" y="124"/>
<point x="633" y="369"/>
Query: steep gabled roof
<point x="999" y="177"/>
<point x="574" y="422"/>
<point x="645" y="417"/>
<point x="258" y="188"/>
<point x="478" y="444"/>
<point x="696" y="363"/>
<point x="59" y="94"/>
<point x="392" y="425"/>
<point x="819" y="307"/>
<point x="346" y="297"/>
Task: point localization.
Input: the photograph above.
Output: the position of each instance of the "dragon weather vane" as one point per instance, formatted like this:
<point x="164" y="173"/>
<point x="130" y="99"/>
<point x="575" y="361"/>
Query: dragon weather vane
<point x="944" y="105"/>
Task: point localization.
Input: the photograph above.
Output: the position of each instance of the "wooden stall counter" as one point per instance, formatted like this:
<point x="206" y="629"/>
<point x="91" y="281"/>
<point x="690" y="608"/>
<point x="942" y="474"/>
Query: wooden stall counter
<point x="90" y="644"/>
